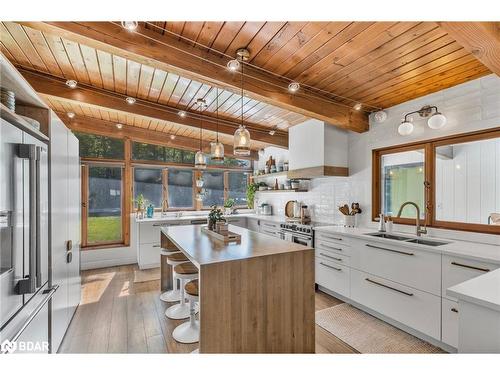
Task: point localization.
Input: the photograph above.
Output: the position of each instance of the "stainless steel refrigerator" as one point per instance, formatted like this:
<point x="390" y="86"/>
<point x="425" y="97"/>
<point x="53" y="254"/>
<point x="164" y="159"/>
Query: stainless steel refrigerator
<point x="24" y="229"/>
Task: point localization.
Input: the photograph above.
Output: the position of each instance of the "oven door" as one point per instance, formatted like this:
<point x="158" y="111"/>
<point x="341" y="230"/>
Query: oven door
<point x="301" y="239"/>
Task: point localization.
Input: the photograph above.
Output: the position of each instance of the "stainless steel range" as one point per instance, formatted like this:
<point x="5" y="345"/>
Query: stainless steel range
<point x="301" y="234"/>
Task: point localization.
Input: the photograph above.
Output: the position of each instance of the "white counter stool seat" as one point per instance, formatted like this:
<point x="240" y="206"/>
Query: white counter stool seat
<point x="173" y="260"/>
<point x="174" y="294"/>
<point x="184" y="272"/>
<point x="189" y="332"/>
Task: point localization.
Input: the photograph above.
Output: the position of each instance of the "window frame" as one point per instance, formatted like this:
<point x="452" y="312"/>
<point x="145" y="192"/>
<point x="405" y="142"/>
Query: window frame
<point x="429" y="147"/>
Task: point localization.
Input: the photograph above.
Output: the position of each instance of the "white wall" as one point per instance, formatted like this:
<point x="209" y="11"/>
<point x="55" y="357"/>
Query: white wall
<point x="470" y="106"/>
<point x="280" y="154"/>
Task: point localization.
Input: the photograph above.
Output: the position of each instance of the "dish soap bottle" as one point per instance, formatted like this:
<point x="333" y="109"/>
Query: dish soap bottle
<point x="150" y="211"/>
<point x="388" y="224"/>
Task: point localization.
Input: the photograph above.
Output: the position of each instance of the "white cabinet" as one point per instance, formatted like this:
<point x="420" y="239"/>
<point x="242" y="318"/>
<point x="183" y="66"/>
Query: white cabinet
<point x="238" y="221"/>
<point x="449" y="321"/>
<point x="417" y="269"/>
<point x="333" y="275"/>
<point x="411" y="307"/>
<point x="253" y="224"/>
<point x="148" y="243"/>
<point x="270" y="228"/>
<point x="65" y="227"/>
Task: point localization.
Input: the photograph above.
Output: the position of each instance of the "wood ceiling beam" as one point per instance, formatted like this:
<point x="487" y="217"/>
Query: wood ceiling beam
<point x="168" y="53"/>
<point x="108" y="129"/>
<point x="54" y="86"/>
<point x="481" y="39"/>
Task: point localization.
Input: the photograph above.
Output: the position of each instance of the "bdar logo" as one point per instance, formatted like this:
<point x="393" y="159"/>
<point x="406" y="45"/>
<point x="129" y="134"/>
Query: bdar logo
<point x="8" y="346"/>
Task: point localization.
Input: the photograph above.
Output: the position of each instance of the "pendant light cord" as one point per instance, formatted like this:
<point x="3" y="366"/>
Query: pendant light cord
<point x="217" y="103"/>
<point x="242" y="65"/>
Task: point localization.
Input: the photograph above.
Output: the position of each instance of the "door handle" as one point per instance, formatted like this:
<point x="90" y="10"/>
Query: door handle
<point x="388" y="287"/>
<point x="333" y="268"/>
<point x="38" y="219"/>
<point x="329" y="256"/>
<point x="391" y="250"/>
<point x="28" y="284"/>
<point x="470" y="267"/>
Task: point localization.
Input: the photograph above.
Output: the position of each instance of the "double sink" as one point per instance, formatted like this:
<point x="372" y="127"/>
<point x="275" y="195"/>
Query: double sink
<point x="396" y="237"/>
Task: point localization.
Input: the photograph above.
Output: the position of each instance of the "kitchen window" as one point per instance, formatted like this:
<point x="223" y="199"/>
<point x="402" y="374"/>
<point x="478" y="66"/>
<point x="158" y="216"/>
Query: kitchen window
<point x="180" y="188"/>
<point x="148" y="182"/>
<point x="237" y="188"/>
<point x="213" y="188"/>
<point x="454" y="180"/>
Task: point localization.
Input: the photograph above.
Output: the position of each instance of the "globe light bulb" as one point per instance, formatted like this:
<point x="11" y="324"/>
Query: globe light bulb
<point x="405" y="128"/>
<point x="436" y="121"/>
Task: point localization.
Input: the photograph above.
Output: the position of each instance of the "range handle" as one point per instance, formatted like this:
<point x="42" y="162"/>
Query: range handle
<point x="29" y="283"/>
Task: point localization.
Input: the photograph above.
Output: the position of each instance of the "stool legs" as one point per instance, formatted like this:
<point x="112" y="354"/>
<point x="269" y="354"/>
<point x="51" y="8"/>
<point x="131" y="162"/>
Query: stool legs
<point x="173" y="295"/>
<point x="188" y="332"/>
<point x="180" y="310"/>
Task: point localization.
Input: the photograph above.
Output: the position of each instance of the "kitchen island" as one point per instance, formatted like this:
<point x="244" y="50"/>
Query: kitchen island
<point x="256" y="296"/>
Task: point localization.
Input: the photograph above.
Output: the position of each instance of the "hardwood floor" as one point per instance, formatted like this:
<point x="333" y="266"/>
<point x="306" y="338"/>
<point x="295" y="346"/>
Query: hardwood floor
<point x="117" y="315"/>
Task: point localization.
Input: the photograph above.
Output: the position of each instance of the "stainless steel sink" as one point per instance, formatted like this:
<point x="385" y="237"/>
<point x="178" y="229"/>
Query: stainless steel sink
<point x="427" y="242"/>
<point x="389" y="236"/>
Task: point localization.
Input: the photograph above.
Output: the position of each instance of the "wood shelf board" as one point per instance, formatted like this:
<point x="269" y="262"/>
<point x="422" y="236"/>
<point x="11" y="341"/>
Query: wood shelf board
<point x="18" y="121"/>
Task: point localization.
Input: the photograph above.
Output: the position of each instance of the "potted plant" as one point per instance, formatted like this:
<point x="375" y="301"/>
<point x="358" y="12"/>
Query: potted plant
<point x="140" y="202"/>
<point x="228" y="206"/>
<point x="251" y="189"/>
<point x="214" y="216"/>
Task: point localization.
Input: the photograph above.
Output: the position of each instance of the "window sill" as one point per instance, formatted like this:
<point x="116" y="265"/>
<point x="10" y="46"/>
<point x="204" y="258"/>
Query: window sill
<point x="104" y="246"/>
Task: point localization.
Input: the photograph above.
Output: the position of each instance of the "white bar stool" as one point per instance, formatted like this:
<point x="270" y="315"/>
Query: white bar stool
<point x="184" y="272"/>
<point x="173" y="260"/>
<point x="174" y="294"/>
<point x="189" y="332"/>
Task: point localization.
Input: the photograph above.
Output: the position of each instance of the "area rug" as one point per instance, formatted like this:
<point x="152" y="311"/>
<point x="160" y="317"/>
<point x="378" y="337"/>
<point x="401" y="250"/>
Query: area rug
<point x="151" y="274"/>
<point x="368" y="334"/>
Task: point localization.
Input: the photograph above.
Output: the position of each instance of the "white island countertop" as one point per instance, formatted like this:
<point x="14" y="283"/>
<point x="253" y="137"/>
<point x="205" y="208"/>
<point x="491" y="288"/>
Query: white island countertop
<point x="472" y="250"/>
<point x="483" y="290"/>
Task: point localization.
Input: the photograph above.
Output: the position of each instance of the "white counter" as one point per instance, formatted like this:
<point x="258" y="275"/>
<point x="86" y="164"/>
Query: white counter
<point x="483" y="290"/>
<point x="472" y="250"/>
<point x="187" y="217"/>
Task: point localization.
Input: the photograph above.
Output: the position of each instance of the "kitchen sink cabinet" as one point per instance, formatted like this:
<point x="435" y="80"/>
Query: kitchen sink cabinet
<point x="253" y="224"/>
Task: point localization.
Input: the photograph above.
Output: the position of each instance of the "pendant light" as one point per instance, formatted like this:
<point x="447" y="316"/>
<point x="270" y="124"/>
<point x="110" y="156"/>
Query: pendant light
<point x="200" y="160"/>
<point x="217" y="148"/>
<point x="241" y="135"/>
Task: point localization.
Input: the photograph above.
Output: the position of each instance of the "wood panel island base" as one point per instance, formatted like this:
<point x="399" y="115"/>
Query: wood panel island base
<point x="256" y="296"/>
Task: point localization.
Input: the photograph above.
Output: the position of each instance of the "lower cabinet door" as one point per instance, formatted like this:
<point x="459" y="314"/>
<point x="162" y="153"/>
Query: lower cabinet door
<point x="333" y="276"/>
<point x="450" y="322"/>
<point x="411" y="307"/>
<point x="149" y="255"/>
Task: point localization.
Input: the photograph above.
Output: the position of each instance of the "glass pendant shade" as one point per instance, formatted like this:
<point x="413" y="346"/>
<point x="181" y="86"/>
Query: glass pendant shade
<point x="436" y="121"/>
<point x="405" y="128"/>
<point x="217" y="151"/>
<point x="241" y="141"/>
<point x="199" y="182"/>
<point x="200" y="160"/>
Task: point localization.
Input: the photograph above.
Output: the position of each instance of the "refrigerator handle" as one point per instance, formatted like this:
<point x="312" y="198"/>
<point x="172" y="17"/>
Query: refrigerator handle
<point x="28" y="285"/>
<point x="38" y="216"/>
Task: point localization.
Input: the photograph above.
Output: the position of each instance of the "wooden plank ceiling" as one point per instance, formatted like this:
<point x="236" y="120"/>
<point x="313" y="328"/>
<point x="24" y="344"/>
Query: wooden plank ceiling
<point x="378" y="64"/>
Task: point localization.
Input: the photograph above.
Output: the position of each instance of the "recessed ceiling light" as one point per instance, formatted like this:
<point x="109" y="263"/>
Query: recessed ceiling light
<point x="172" y="136"/>
<point x="130" y="25"/>
<point x="71" y="83"/>
<point x="294" y="86"/>
<point x="358" y="106"/>
<point x="71" y="114"/>
<point x="182" y="113"/>
<point x="233" y="65"/>
<point x="272" y="132"/>
<point x="119" y="126"/>
<point x="130" y="100"/>
<point x="201" y="103"/>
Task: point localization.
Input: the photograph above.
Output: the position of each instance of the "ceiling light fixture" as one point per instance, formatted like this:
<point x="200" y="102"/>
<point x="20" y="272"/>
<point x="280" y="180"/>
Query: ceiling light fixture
<point x="182" y="114"/>
<point x="233" y="65"/>
<point x="71" y="114"/>
<point x="119" y="126"/>
<point x="200" y="160"/>
<point x="241" y="140"/>
<point x="272" y="132"/>
<point x="380" y="116"/>
<point x="436" y="119"/>
<point x="130" y="25"/>
<point x="172" y="136"/>
<point x="71" y="83"/>
<point x="217" y="148"/>
<point x="358" y="106"/>
<point x="130" y="100"/>
<point x="293" y="87"/>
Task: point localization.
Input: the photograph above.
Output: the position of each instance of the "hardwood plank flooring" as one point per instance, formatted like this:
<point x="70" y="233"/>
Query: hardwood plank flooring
<point x="117" y="315"/>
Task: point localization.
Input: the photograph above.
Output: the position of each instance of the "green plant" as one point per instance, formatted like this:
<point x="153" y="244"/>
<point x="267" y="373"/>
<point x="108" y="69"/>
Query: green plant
<point x="229" y="203"/>
<point x="215" y="215"/>
<point x="251" y="189"/>
<point x="140" y="201"/>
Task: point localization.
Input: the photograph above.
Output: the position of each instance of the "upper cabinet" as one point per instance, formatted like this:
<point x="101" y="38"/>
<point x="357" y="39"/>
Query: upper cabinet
<point x="317" y="149"/>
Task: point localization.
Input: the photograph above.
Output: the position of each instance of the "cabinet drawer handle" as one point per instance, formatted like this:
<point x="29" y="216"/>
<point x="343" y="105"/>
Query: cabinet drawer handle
<point x="329" y="256"/>
<point x="391" y="250"/>
<point x="330" y="247"/>
<point x="389" y="287"/>
<point x="158" y="225"/>
<point x="454" y="310"/>
<point x="332" y="238"/>
<point x="157" y="245"/>
<point x="471" y="267"/>
<point x="333" y="268"/>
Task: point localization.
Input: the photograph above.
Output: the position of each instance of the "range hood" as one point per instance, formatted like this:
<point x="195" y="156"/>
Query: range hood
<point x="317" y="149"/>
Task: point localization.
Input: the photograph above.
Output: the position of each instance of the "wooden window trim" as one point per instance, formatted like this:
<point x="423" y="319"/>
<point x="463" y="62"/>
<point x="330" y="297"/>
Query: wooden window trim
<point x="430" y="176"/>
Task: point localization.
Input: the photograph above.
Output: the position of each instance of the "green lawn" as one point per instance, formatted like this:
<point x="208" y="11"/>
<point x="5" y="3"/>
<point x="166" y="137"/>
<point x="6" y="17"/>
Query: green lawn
<point x="104" y="229"/>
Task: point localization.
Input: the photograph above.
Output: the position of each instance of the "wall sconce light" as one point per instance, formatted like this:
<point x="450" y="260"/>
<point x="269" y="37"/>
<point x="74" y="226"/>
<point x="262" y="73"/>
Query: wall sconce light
<point x="436" y="120"/>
